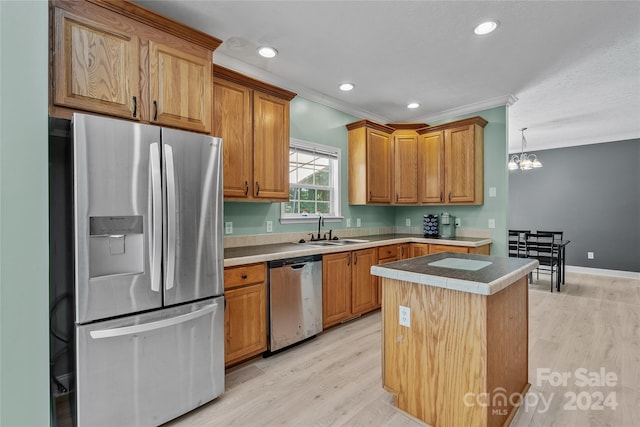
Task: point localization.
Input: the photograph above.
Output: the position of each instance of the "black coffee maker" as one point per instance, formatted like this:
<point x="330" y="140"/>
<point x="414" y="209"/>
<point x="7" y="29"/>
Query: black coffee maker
<point x="430" y="226"/>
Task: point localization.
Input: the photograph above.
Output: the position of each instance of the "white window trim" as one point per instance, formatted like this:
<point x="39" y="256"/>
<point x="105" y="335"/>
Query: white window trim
<point x="312" y="146"/>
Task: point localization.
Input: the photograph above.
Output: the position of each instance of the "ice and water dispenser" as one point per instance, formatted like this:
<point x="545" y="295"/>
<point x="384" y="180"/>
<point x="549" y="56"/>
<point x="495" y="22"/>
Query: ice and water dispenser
<point x="116" y="245"/>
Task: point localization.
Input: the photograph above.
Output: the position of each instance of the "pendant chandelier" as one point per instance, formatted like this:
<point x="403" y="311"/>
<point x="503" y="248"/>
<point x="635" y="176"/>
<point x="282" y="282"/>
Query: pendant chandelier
<point x="524" y="161"/>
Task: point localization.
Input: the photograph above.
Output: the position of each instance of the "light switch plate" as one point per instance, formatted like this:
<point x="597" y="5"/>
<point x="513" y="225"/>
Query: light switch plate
<point x="269" y="226"/>
<point x="492" y="191"/>
<point x="405" y="316"/>
<point x="348" y="222"/>
<point x="228" y="227"/>
<point x="407" y="222"/>
<point x="358" y="223"/>
<point x="492" y="223"/>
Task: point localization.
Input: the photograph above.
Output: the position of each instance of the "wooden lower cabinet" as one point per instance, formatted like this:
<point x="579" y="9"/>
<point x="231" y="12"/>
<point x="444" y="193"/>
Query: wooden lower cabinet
<point x="364" y="286"/>
<point x="336" y="288"/>
<point x="421" y="249"/>
<point x="418" y="249"/>
<point x="245" y="316"/>
<point x="387" y="254"/>
<point x="348" y="288"/>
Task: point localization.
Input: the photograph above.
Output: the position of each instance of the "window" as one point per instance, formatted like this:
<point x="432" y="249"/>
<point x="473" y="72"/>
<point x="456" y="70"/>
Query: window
<point x="314" y="184"/>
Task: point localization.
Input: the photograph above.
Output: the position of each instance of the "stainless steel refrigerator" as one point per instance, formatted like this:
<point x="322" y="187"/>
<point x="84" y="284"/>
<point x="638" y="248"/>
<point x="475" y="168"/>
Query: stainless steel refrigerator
<point x="149" y="304"/>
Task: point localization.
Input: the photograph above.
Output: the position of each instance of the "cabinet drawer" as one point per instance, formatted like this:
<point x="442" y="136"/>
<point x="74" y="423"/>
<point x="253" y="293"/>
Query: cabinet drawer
<point x="434" y="249"/>
<point x="390" y="251"/>
<point x="244" y="275"/>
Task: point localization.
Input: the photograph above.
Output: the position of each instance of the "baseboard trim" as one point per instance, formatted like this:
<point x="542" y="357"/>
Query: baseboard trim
<point x="602" y="272"/>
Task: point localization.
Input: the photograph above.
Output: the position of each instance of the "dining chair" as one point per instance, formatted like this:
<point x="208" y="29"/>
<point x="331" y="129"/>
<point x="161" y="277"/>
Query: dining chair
<point x="517" y="243"/>
<point x="541" y="246"/>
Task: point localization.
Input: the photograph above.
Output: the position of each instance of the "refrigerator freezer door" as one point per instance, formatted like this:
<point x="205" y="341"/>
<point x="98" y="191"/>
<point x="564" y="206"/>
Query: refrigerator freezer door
<point x="148" y="369"/>
<point x="193" y="256"/>
<point x="115" y="192"/>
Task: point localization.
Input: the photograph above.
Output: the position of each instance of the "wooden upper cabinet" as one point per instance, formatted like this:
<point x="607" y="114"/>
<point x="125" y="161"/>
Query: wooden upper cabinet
<point x="120" y="59"/>
<point x="252" y="118"/>
<point x="271" y="147"/>
<point x="232" y="121"/>
<point x="96" y="67"/>
<point x="431" y="166"/>
<point x="370" y="163"/>
<point x="180" y="88"/>
<point x="460" y="160"/>
<point x="405" y="154"/>
<point x="451" y="163"/>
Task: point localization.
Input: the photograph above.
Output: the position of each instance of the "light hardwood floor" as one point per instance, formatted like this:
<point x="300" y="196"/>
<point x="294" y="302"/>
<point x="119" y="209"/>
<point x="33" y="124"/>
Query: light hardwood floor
<point x="334" y="379"/>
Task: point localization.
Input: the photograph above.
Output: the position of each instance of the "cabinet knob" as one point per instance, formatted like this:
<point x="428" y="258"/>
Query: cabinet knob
<point x="155" y="110"/>
<point x="246" y="188"/>
<point x="135" y="106"/>
<point x="441" y="197"/>
<point x="370" y="196"/>
<point x="257" y="188"/>
<point x="244" y="276"/>
<point x="449" y="195"/>
<point x="349" y="259"/>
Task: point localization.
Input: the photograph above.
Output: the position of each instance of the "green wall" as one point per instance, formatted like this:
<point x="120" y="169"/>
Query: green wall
<point x="313" y="122"/>
<point x="24" y="297"/>
<point x="495" y="175"/>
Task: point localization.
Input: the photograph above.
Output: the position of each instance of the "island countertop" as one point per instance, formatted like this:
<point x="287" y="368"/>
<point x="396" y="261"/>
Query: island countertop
<point x="478" y="274"/>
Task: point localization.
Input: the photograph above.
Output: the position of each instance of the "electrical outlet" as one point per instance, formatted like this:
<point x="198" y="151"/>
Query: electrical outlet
<point x="492" y="223"/>
<point x="589" y="255"/>
<point x="358" y="222"/>
<point x="405" y="316"/>
<point x="269" y="226"/>
<point x="492" y="191"/>
<point x="458" y="222"/>
<point x="407" y="222"/>
<point x="348" y="222"/>
<point x="228" y="227"/>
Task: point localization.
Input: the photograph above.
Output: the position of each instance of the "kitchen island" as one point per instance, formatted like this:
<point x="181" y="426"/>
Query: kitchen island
<point x="455" y="337"/>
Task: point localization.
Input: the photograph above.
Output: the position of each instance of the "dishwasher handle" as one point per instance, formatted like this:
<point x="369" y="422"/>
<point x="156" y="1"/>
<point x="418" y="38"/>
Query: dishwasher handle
<point x="297" y="266"/>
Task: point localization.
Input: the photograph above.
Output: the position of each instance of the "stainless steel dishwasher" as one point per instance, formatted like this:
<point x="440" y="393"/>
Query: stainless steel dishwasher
<point x="295" y="300"/>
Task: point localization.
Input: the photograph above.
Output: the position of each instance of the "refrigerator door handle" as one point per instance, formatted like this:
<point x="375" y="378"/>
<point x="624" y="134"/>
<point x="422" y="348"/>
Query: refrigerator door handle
<point x="171" y="217"/>
<point x="146" y="327"/>
<point x="156" y="215"/>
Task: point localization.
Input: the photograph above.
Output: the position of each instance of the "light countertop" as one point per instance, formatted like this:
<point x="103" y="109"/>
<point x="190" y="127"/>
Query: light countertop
<point x="261" y="253"/>
<point x="482" y="274"/>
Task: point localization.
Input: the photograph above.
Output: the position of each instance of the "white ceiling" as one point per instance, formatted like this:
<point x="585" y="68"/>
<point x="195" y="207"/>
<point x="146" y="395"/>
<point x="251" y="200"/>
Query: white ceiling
<point x="569" y="69"/>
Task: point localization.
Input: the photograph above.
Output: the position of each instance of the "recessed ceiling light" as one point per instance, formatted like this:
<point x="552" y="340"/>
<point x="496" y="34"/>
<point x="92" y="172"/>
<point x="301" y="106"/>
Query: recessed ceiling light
<point x="413" y="105"/>
<point x="486" y="28"/>
<point x="267" y="52"/>
<point x="346" y="87"/>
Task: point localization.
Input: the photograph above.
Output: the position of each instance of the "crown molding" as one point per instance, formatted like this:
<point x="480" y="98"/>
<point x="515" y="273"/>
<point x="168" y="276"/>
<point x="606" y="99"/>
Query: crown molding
<point x="220" y="58"/>
<point x="500" y="101"/>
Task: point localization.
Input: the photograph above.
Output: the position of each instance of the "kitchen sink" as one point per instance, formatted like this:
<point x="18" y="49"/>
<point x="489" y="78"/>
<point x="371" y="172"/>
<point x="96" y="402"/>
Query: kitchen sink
<point x="339" y="242"/>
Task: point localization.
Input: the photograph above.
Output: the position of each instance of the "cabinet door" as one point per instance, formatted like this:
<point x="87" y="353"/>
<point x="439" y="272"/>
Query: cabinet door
<point x="431" y="157"/>
<point x="460" y="163"/>
<point x="434" y="249"/>
<point x="406" y="169"/>
<point x="245" y="322"/>
<point x="419" y="249"/>
<point x="179" y="88"/>
<point x="96" y="68"/>
<point x="270" y="147"/>
<point x="336" y="288"/>
<point x="232" y="122"/>
<point x="379" y="166"/>
<point x="364" y="286"/>
<point x="404" y="251"/>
